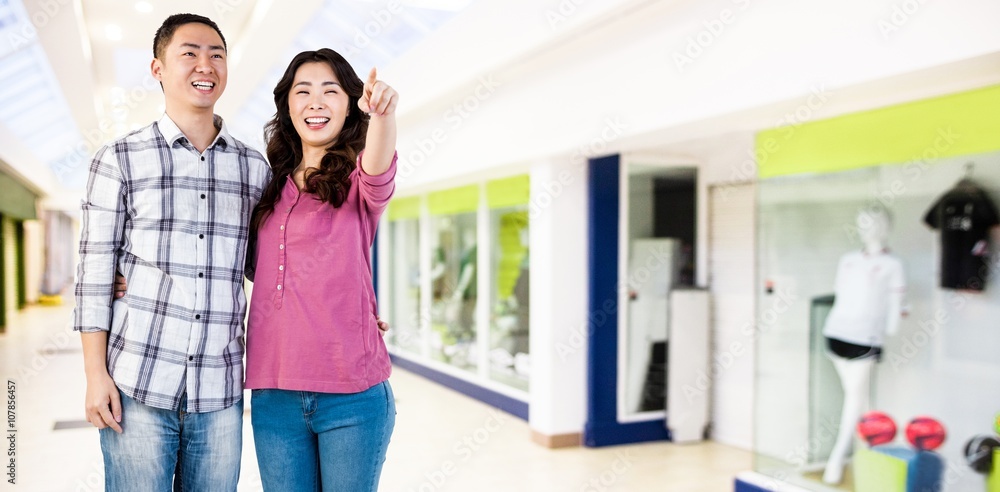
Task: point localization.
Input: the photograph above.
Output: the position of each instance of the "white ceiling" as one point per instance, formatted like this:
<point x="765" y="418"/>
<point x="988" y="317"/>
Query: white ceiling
<point x="124" y="91"/>
<point x="66" y="88"/>
<point x="75" y="73"/>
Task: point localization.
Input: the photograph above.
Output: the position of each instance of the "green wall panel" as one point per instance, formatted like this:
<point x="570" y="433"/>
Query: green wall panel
<point x="404" y="208"/>
<point x="16" y="201"/>
<point x="509" y="192"/>
<point x="454" y="201"/>
<point x="947" y="126"/>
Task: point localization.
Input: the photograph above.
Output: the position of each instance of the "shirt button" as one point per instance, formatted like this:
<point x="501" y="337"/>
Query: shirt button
<point x="282" y="228"/>
<point x="190" y="357"/>
<point x="279" y="286"/>
<point x="201" y="236"/>
<point x="281" y="267"/>
<point x="289" y="209"/>
<point x="202" y="158"/>
<point x="202" y="196"/>
<point x="201" y="275"/>
<point x="197" y="316"/>
<point x="281" y="246"/>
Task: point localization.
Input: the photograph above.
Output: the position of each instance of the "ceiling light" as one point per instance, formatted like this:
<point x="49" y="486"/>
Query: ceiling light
<point x="144" y="7"/>
<point x="448" y="5"/>
<point x="113" y="32"/>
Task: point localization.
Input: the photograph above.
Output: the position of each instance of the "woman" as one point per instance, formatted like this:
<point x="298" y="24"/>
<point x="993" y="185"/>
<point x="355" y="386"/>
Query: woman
<point x="322" y="408"/>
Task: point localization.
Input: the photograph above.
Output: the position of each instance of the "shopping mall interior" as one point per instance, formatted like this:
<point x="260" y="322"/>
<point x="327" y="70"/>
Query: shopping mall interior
<point x="724" y="245"/>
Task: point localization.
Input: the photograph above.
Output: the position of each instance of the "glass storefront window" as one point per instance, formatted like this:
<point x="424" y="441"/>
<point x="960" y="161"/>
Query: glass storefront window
<point x="509" y="355"/>
<point x="938" y="364"/>
<point x="405" y="279"/>
<point x="438" y="273"/>
<point x="454" y="290"/>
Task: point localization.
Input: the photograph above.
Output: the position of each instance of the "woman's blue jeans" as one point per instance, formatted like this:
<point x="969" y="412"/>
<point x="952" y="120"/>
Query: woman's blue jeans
<point x="310" y="441"/>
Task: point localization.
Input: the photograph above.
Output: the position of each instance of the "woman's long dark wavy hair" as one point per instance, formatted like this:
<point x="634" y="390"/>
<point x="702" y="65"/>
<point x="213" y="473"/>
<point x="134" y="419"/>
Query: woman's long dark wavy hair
<point x="284" y="147"/>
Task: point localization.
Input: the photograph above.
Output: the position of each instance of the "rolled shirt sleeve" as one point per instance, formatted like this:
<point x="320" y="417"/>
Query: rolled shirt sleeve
<point x="103" y="223"/>
<point x="376" y="190"/>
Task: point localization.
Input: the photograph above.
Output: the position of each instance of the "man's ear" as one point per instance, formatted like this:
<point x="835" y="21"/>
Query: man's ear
<point x="155" y="67"/>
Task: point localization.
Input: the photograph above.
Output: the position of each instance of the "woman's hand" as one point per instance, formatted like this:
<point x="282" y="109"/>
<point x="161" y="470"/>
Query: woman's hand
<point x="378" y="99"/>
<point x="382" y="326"/>
<point x="120" y="286"/>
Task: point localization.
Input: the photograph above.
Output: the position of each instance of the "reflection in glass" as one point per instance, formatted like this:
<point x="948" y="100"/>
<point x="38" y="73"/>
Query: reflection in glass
<point x="509" y="353"/>
<point x="661" y="204"/>
<point x="454" y="292"/>
<point x="405" y="278"/>
<point x="943" y="361"/>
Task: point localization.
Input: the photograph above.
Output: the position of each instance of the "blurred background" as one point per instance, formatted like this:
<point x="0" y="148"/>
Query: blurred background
<point x="616" y="222"/>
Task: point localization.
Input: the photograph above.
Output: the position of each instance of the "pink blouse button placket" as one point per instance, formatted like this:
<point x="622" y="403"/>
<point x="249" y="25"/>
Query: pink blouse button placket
<point x="278" y="289"/>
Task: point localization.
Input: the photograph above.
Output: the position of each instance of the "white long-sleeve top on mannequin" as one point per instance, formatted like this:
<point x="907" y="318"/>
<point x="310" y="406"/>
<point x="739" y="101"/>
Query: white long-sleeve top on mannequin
<point x="869" y="298"/>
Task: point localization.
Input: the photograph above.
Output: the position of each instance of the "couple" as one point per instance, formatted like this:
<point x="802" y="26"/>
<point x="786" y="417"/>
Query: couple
<point x="172" y="207"/>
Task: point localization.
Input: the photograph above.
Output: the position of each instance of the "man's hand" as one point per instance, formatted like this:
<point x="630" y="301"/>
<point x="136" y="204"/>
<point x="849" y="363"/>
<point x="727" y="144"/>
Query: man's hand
<point x="103" y="404"/>
<point x="120" y="286"/>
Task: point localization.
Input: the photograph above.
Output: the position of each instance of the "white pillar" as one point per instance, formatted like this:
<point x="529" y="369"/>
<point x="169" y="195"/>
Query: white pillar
<point x="558" y="261"/>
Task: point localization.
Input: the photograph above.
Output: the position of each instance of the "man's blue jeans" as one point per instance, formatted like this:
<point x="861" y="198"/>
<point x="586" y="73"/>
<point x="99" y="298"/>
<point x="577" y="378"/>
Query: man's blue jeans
<point x="203" y="448"/>
<point x="309" y="441"/>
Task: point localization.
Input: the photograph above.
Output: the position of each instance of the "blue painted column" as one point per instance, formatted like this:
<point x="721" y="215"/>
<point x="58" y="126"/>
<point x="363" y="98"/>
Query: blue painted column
<point x="602" y="427"/>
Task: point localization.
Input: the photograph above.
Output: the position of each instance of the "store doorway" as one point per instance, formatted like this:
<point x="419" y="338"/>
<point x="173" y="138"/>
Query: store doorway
<point x="658" y="213"/>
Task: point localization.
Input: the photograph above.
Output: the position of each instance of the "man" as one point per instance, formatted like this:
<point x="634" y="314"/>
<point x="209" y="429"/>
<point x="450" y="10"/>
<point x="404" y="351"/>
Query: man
<point x="168" y="206"/>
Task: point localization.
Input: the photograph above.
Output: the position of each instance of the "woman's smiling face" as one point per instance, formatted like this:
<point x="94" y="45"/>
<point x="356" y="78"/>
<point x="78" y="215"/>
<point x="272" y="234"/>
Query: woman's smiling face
<point x="317" y="104"/>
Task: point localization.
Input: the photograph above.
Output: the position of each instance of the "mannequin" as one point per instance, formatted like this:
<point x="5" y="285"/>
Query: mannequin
<point x="868" y="305"/>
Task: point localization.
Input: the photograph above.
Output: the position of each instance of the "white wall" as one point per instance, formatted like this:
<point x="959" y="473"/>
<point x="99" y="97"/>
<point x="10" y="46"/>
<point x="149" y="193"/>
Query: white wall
<point x="732" y="247"/>
<point x="620" y="78"/>
<point x="17" y="161"/>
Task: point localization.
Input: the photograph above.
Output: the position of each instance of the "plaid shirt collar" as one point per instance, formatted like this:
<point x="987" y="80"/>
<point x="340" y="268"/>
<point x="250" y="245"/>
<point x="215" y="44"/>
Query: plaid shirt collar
<point x="172" y="133"/>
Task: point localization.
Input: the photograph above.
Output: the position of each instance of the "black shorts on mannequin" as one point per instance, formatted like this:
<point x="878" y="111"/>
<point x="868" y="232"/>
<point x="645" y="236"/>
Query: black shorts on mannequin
<point x="851" y="351"/>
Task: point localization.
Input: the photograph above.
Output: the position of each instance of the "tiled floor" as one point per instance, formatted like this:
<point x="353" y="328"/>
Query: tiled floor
<point x="443" y="440"/>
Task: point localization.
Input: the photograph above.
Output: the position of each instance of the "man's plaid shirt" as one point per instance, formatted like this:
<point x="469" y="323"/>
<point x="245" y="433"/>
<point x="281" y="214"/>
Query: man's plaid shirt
<point x="174" y="223"/>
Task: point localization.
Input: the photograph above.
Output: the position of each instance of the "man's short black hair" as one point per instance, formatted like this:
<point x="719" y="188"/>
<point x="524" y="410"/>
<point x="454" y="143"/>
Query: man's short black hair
<point x="166" y="31"/>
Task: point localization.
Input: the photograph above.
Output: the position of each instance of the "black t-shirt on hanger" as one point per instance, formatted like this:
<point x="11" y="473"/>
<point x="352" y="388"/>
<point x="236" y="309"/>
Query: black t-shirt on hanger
<point x="964" y="215"/>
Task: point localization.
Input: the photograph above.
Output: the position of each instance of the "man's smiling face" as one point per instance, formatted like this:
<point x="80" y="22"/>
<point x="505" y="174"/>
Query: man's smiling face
<point x="192" y="68"/>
